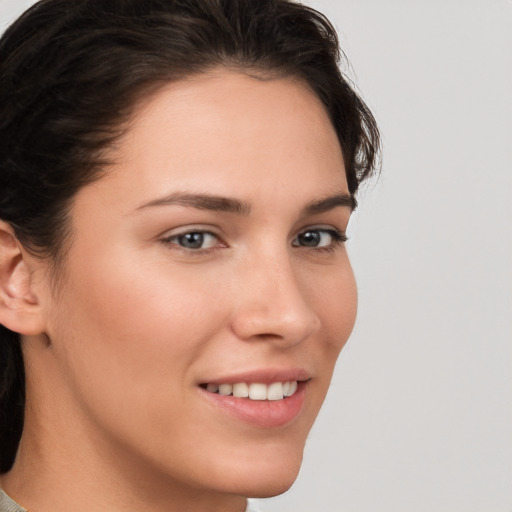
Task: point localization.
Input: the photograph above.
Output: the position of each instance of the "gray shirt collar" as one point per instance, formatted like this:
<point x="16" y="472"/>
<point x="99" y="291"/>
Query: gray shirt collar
<point x="9" y="505"/>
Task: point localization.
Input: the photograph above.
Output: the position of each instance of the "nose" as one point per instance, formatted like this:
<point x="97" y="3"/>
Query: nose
<point x="272" y="305"/>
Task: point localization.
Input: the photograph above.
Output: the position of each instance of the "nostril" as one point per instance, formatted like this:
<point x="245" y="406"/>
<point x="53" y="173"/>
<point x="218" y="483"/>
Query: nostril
<point x="266" y="336"/>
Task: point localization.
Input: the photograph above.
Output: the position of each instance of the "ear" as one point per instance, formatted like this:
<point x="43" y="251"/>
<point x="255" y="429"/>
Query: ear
<point x="20" y="310"/>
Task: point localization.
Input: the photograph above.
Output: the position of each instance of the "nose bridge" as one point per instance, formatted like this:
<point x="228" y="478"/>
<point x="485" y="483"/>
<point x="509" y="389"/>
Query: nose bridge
<point x="272" y="303"/>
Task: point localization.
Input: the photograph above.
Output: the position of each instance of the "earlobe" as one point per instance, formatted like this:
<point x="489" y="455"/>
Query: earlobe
<point x="20" y="310"/>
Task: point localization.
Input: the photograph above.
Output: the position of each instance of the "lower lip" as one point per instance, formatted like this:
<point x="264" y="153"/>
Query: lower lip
<point x="261" y="413"/>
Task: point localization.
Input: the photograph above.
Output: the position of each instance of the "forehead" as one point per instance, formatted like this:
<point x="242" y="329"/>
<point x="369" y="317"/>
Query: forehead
<point x="230" y="130"/>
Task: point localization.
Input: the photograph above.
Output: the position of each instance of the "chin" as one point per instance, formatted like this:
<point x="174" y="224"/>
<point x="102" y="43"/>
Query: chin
<point x="266" y="476"/>
<point x="266" y="488"/>
<point x="269" y="490"/>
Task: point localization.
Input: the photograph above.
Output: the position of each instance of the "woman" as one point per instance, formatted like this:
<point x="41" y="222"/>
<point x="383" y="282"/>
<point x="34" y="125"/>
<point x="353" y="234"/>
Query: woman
<point x="176" y="182"/>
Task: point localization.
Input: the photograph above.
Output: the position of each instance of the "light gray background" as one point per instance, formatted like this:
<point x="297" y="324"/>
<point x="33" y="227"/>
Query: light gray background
<point x="419" y="417"/>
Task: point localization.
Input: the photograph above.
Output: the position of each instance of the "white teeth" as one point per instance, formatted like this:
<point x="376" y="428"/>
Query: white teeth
<point x="275" y="391"/>
<point x="225" y="389"/>
<point x="256" y="391"/>
<point x="241" y="390"/>
<point x="292" y="388"/>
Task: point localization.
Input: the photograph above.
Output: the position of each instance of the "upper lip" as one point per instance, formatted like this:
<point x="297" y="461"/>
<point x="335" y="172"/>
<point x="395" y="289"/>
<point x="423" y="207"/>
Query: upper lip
<point x="262" y="376"/>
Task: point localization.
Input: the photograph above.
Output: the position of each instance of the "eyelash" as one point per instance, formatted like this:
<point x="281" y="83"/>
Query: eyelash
<point x="337" y="238"/>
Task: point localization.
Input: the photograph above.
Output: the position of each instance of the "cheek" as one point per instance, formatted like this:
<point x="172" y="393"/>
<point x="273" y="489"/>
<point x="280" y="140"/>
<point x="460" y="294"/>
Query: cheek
<point x="128" y="333"/>
<point x="342" y="311"/>
<point x="336" y="305"/>
<point x="128" y="342"/>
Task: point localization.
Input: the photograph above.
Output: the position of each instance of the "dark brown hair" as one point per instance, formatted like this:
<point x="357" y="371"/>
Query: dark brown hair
<point x="70" y="75"/>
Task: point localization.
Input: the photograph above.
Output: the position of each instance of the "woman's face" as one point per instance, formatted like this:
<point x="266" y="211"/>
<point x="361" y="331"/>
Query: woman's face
<point x="208" y="260"/>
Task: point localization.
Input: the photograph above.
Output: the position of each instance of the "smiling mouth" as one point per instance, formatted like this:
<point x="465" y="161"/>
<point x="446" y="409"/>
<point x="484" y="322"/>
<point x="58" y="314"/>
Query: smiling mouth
<point x="255" y="391"/>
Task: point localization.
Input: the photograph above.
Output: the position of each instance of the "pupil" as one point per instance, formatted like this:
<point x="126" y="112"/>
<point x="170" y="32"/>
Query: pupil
<point x="192" y="240"/>
<point x="310" y="238"/>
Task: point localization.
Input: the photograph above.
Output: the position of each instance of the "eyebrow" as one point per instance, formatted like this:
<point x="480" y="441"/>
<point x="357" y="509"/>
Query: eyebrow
<point x="202" y="202"/>
<point x="230" y="205"/>
<point x="324" y="205"/>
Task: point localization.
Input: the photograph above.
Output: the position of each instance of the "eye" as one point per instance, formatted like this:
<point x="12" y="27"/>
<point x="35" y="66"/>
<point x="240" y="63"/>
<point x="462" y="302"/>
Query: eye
<point x="194" y="240"/>
<point x="319" y="238"/>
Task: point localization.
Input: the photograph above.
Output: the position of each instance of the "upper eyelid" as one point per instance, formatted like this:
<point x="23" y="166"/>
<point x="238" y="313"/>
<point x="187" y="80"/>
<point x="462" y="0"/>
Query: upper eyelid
<point x="330" y="230"/>
<point x="183" y="230"/>
<point x="184" y="233"/>
<point x="322" y="227"/>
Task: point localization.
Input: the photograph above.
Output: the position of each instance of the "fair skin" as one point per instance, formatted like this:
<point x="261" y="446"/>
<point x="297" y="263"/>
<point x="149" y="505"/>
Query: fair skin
<point x="120" y="350"/>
